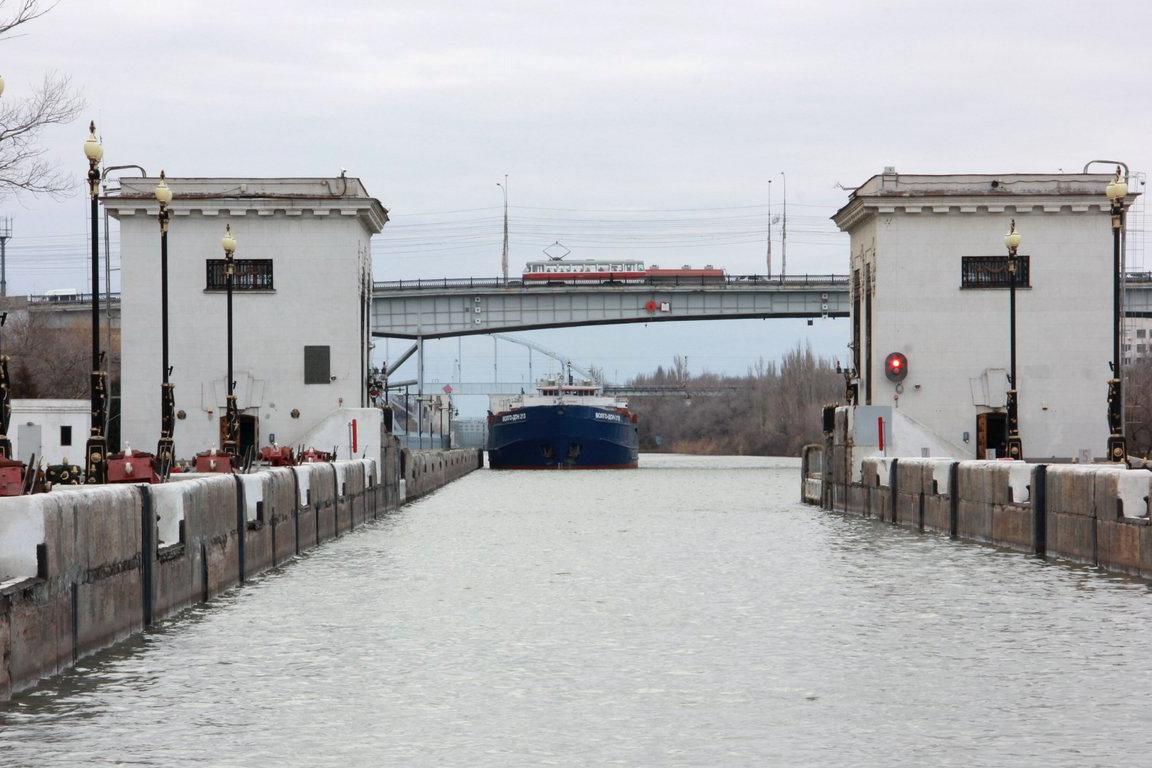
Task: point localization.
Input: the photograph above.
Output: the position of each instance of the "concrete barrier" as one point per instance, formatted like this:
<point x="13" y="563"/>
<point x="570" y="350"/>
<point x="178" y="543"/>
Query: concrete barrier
<point x="84" y="567"/>
<point x="1097" y="514"/>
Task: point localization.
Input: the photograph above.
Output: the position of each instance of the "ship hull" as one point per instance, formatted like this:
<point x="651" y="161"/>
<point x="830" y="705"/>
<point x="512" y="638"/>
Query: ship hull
<point x="563" y="437"/>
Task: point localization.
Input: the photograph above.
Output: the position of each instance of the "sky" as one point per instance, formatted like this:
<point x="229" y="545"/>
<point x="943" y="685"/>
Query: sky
<point x="652" y="130"/>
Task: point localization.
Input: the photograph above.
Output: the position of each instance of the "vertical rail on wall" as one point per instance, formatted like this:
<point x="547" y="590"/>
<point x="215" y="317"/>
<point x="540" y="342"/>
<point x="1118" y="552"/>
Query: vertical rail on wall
<point x="954" y="500"/>
<point x="241" y="528"/>
<point x="1040" y="510"/>
<point x="204" y="571"/>
<point x="147" y="555"/>
<point x="893" y="488"/>
<point x="74" y="605"/>
<point x="296" y="506"/>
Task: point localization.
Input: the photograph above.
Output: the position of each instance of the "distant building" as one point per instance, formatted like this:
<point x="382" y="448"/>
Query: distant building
<point x="1137" y="342"/>
<point x="470" y="433"/>
<point x="928" y="280"/>
<point x="302" y="296"/>
<point x="52" y="431"/>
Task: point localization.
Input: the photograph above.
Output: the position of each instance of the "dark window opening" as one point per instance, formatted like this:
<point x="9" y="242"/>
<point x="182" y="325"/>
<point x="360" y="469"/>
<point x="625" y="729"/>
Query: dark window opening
<point x="317" y="365"/>
<point x="991" y="435"/>
<point x="992" y="272"/>
<point x="250" y="275"/>
<point x="65" y="436"/>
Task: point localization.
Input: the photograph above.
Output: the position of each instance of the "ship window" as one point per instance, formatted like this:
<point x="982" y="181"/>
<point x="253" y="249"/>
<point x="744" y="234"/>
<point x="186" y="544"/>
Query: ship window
<point x="317" y="365"/>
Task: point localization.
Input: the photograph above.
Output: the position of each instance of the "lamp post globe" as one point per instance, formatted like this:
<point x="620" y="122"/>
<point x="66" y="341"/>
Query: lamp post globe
<point x="1117" y="189"/>
<point x="92" y="148"/>
<point x="228" y="241"/>
<point x="163" y="192"/>
<point x="1012" y="239"/>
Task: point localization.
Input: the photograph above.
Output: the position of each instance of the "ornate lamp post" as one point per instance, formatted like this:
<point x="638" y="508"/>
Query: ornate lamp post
<point x="165" y="448"/>
<point x="1117" y="449"/>
<point x="96" y="450"/>
<point x="5" y="392"/>
<point x="231" y="413"/>
<point x="1014" y="445"/>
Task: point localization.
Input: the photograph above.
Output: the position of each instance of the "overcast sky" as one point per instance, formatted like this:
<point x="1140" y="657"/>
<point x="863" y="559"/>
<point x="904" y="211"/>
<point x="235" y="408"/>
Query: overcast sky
<point x="654" y="127"/>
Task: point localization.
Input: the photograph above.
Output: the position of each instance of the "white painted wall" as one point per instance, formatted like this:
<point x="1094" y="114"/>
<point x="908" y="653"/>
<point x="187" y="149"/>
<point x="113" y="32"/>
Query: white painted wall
<point x="50" y="416"/>
<point x="952" y="336"/>
<point x="320" y="246"/>
<point x="335" y="432"/>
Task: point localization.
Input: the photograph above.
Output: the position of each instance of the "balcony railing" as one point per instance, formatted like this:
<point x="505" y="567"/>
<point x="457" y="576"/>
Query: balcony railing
<point x="250" y="275"/>
<point x="992" y="272"/>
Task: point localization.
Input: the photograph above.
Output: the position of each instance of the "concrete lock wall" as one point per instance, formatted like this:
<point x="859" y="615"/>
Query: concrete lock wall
<point x="85" y="567"/>
<point x="1091" y="513"/>
<point x="425" y="471"/>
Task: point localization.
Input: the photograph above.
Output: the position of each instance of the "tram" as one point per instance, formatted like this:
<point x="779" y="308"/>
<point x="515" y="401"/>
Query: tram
<point x="619" y="271"/>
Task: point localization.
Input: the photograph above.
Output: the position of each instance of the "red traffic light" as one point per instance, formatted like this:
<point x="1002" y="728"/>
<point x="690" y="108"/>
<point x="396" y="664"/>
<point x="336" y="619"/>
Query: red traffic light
<point x="896" y="366"/>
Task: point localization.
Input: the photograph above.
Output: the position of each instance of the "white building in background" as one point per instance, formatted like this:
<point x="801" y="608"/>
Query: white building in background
<point x="928" y="280"/>
<point x="301" y="304"/>
<point x="54" y="431"/>
<point x="1137" y="342"/>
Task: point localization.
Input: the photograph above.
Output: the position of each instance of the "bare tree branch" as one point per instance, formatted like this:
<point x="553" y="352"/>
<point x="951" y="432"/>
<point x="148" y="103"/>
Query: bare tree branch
<point x="23" y="166"/>
<point x="19" y="13"/>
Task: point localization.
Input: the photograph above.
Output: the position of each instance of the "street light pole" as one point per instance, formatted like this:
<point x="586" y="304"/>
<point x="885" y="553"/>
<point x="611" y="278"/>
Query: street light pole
<point x="165" y="448"/>
<point x="784" y="227"/>
<point x="5" y="398"/>
<point x="96" y="450"/>
<point x="1015" y="448"/>
<point x="231" y="413"/>
<point x="504" y="258"/>
<point x="1117" y="190"/>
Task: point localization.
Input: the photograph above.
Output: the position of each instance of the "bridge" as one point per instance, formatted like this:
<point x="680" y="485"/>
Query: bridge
<point x="431" y="309"/>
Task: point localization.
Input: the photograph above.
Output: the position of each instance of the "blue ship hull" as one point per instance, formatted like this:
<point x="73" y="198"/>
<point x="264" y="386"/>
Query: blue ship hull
<point x="563" y="437"/>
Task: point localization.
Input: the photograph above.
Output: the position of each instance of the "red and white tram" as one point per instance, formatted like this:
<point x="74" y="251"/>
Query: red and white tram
<point x="559" y="272"/>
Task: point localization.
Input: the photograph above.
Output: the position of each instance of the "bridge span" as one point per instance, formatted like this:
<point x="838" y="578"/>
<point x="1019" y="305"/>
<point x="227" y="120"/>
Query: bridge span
<point x="411" y="309"/>
<point x="431" y="309"/>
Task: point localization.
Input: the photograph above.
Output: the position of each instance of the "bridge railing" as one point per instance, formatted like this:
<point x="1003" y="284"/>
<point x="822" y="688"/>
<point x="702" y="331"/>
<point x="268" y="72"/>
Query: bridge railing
<point x="599" y="282"/>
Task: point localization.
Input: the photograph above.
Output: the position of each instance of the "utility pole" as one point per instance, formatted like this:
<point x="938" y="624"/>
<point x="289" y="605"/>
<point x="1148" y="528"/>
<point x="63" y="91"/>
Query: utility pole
<point x="504" y="258"/>
<point x="5" y="233"/>
<point x="769" y="273"/>
<point x="784" y="230"/>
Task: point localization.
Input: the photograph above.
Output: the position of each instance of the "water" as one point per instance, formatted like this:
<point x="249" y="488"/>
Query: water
<point x="688" y="613"/>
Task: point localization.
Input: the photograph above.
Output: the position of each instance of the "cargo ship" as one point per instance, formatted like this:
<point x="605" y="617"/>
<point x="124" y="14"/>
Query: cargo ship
<point x="562" y="426"/>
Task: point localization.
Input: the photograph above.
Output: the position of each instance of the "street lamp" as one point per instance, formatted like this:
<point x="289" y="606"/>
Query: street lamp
<point x="96" y="450"/>
<point x="165" y="447"/>
<point x="5" y="391"/>
<point x="1117" y="190"/>
<point x="231" y="413"/>
<point x="1014" y="445"/>
<point x="504" y="256"/>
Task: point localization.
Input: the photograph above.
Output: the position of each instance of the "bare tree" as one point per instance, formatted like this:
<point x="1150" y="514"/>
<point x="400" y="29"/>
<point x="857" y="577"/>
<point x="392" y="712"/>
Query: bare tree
<point x="773" y="410"/>
<point x="23" y="166"/>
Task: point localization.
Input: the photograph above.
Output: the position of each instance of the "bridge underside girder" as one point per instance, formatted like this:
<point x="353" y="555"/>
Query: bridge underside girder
<point x="454" y="312"/>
